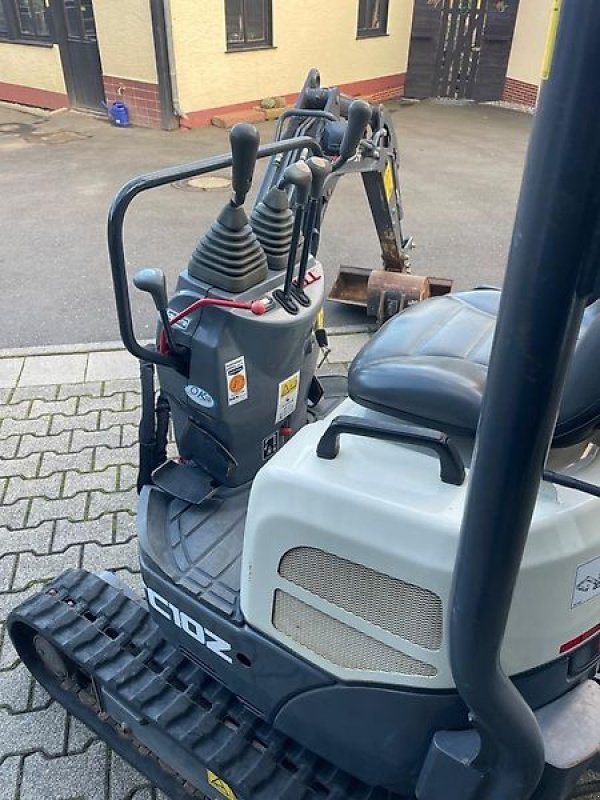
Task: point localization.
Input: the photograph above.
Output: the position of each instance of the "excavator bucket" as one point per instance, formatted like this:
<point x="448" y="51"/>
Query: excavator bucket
<point x="383" y="293"/>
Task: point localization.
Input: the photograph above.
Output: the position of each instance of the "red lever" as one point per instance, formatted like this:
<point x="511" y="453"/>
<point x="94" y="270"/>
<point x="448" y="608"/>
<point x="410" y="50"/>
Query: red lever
<point x="256" y="307"/>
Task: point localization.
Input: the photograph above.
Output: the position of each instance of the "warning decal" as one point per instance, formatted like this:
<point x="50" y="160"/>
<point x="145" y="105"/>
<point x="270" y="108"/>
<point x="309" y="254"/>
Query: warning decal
<point x="587" y="582"/>
<point x="237" y="381"/>
<point x="287" y="396"/>
<point x="388" y="180"/>
<point x="220" y="785"/>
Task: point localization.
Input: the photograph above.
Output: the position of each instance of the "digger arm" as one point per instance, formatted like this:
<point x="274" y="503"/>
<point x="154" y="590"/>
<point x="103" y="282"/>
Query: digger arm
<point x="378" y="164"/>
<point x="377" y="161"/>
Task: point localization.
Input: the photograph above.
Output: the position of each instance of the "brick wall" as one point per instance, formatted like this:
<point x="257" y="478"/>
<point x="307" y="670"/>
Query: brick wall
<point x="520" y="92"/>
<point x="376" y="90"/>
<point x="141" y="98"/>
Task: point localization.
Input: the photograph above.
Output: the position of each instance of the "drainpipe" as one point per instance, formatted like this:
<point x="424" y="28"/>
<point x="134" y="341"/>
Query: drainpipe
<point x="168" y="21"/>
<point x="165" y="64"/>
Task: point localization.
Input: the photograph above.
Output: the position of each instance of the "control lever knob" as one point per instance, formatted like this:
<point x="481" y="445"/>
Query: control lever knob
<point x="154" y="282"/>
<point x="359" y="115"/>
<point x="298" y="175"/>
<point x="320" y="169"/>
<point x="244" y="140"/>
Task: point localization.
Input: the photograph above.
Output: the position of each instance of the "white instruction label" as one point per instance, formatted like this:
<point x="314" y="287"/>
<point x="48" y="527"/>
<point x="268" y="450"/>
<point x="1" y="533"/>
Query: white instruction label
<point x="237" y="381"/>
<point x="287" y="396"/>
<point x="587" y="582"/>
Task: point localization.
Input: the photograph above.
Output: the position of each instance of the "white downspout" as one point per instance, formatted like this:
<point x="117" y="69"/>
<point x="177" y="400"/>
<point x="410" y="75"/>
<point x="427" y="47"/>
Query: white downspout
<point x="171" y="53"/>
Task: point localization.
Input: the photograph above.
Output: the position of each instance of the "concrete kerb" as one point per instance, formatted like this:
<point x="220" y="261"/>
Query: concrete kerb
<point x="107" y="361"/>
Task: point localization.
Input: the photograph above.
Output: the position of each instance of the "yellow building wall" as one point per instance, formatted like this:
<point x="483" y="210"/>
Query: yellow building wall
<point x="529" y="41"/>
<point x="36" y="67"/>
<point x="125" y="39"/>
<point x="306" y="33"/>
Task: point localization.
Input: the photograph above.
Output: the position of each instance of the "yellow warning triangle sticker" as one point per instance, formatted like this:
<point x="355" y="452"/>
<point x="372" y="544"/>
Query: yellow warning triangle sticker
<point x="220" y="785"/>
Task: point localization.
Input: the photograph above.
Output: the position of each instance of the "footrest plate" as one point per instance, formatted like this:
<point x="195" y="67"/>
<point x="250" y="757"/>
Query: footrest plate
<point x="187" y="482"/>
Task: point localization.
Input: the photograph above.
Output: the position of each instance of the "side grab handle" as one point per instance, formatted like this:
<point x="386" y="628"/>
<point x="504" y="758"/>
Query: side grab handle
<point x="452" y="468"/>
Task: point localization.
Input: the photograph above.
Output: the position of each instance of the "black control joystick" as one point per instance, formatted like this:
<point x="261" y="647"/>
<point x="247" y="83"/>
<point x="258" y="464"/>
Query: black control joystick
<point x="299" y="176"/>
<point x="320" y="170"/>
<point x="272" y="221"/>
<point x="359" y="115"/>
<point x="244" y="140"/>
<point x="229" y="256"/>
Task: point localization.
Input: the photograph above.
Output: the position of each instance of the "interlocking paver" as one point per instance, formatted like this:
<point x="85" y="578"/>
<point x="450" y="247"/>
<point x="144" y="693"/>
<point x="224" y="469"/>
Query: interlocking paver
<point x="129" y="385"/>
<point x="9" y="447"/>
<point x="8" y="655"/>
<point x="49" y="487"/>
<point x="79" y="736"/>
<point x="17" y="427"/>
<point x="112" y="403"/>
<point x="39" y="444"/>
<point x="61" y="462"/>
<point x="102" y="502"/>
<point x="42" y="730"/>
<point x="119" y="556"/>
<point x="15" y="410"/>
<point x="110" y="418"/>
<point x="107" y="438"/>
<point x="129" y="435"/>
<point x="79" y="390"/>
<point x="40" y="408"/>
<point x="103" y="480"/>
<point x="128" y="476"/>
<point x="65" y="508"/>
<point x="14" y="516"/>
<point x="76" y="422"/>
<point x="15" y="689"/>
<point x="10" y="770"/>
<point x="124" y="527"/>
<point x="132" y="400"/>
<point x="124" y="780"/>
<point x="49" y="392"/>
<point x="36" y="540"/>
<point x="78" y="776"/>
<point x="24" y="467"/>
<point x="68" y="533"/>
<point x="105" y="456"/>
<point x="37" y="568"/>
<point x="132" y="578"/>
<point x="7" y="568"/>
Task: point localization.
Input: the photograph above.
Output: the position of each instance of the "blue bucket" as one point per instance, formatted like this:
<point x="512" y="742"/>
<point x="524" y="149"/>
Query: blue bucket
<point x="118" y="113"/>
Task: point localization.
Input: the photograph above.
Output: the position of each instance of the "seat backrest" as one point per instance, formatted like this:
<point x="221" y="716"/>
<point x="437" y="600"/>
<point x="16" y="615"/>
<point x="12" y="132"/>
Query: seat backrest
<point x="580" y="406"/>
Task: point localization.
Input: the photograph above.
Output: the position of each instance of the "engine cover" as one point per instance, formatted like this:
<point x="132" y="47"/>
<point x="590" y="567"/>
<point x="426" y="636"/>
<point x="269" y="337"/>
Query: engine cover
<point x="349" y="563"/>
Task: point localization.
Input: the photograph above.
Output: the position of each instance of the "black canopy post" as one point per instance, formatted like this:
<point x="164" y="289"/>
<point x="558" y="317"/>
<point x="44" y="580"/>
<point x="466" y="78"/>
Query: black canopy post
<point x="539" y="316"/>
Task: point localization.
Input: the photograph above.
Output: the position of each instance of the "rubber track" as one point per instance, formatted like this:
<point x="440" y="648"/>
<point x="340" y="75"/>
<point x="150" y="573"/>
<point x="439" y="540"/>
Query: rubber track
<point x="113" y="638"/>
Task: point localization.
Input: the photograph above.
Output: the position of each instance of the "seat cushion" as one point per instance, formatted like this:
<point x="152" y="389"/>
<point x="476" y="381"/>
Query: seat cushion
<point x="429" y="365"/>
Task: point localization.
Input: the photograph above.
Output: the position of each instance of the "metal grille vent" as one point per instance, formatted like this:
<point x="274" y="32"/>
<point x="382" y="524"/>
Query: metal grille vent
<point x="338" y="643"/>
<point x="408" y="611"/>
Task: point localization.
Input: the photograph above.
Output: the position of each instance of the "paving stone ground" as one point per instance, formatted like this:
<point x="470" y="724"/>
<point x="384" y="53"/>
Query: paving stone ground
<point x="67" y="490"/>
<point x="68" y="465"/>
<point x="67" y="499"/>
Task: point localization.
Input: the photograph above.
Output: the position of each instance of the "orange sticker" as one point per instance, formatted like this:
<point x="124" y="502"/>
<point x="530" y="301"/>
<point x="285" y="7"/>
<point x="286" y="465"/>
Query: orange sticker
<point x="237" y="380"/>
<point x="237" y="383"/>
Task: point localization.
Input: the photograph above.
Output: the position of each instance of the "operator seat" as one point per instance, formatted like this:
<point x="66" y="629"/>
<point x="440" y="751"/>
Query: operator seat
<point x="429" y="365"/>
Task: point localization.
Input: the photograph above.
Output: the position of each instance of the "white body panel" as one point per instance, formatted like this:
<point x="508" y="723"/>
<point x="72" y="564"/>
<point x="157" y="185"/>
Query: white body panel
<point x="383" y="505"/>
